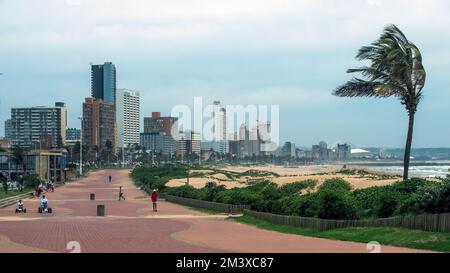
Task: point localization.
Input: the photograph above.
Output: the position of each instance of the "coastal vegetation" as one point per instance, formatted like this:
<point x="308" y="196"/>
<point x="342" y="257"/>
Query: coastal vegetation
<point x="333" y="199"/>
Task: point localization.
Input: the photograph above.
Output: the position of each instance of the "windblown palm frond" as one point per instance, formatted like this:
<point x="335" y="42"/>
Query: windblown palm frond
<point x="395" y="70"/>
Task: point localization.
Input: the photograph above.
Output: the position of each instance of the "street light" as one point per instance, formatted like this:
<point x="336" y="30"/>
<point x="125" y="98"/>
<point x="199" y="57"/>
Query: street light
<point x="81" y="146"/>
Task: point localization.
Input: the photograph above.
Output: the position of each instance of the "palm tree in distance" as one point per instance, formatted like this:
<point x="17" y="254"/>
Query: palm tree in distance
<point x="395" y="70"/>
<point x="18" y="157"/>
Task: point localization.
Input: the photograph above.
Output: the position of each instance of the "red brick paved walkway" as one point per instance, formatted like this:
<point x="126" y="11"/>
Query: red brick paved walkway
<point x="132" y="226"/>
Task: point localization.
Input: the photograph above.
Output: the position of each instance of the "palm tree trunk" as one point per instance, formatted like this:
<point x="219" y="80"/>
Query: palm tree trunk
<point x="408" y="146"/>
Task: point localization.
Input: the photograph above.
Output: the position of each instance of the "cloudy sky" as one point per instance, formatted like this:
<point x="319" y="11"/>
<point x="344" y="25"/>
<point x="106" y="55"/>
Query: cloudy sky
<point x="285" y="52"/>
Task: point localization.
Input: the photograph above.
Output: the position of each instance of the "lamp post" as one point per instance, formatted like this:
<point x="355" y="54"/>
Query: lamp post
<point x="81" y="146"/>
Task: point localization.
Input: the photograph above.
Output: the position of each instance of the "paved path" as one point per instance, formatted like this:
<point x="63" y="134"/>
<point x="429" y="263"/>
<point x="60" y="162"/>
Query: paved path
<point x="132" y="226"/>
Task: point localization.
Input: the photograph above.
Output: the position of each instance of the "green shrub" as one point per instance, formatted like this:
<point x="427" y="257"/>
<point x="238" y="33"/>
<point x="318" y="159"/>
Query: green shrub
<point x="367" y="198"/>
<point x="183" y="191"/>
<point x="336" y="184"/>
<point x="386" y="204"/>
<point x="337" y="205"/>
<point x="410" y="205"/>
<point x="149" y="178"/>
<point x="296" y="187"/>
<point x="308" y="205"/>
<point x="411" y="185"/>
<point x="435" y="199"/>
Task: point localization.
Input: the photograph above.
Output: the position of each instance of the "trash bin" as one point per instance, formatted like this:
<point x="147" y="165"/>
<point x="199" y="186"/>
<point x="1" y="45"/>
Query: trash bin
<point x="100" y="210"/>
<point x="92" y="196"/>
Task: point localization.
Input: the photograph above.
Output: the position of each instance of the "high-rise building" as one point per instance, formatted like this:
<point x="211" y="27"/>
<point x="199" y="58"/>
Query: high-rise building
<point x="103" y="82"/>
<point x="73" y="134"/>
<point x="288" y="150"/>
<point x="219" y="142"/>
<point x="158" y="124"/>
<point x="127" y="117"/>
<point x="158" y="142"/>
<point x="220" y="122"/>
<point x="99" y="122"/>
<point x="43" y="127"/>
<point x="343" y="151"/>
<point x="188" y="142"/>
<point x="322" y="152"/>
<point x="250" y="143"/>
<point x="8" y="129"/>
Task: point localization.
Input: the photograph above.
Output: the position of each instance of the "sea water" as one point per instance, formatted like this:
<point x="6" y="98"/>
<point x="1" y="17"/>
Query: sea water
<point x="416" y="171"/>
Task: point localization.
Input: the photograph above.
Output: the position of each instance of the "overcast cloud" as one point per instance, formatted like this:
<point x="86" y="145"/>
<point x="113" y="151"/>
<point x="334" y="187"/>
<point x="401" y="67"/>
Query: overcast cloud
<point x="286" y="52"/>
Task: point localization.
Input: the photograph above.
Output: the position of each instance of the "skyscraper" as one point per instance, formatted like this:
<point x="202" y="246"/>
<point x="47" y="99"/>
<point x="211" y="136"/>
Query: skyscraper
<point x="220" y="128"/>
<point x="127" y="117"/>
<point x="103" y="82"/>
<point x="218" y="140"/>
<point x="99" y="121"/>
<point x="39" y="125"/>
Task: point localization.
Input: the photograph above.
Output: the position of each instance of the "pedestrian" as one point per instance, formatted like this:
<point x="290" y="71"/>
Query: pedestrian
<point x="110" y="178"/>
<point x="39" y="190"/>
<point x="121" y="196"/>
<point x="36" y="189"/>
<point x="154" y="198"/>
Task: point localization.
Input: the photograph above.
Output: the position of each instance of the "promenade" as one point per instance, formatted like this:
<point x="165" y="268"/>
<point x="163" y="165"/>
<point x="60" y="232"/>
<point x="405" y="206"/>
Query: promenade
<point x="132" y="226"/>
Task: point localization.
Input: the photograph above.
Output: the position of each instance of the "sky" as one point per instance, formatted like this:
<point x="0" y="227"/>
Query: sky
<point x="264" y="52"/>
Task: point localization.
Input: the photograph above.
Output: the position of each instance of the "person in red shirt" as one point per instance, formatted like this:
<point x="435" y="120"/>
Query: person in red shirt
<point x="154" y="198"/>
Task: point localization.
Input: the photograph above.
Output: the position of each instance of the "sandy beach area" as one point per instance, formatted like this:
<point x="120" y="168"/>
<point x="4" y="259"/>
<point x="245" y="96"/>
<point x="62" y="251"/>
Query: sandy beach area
<point x="286" y="175"/>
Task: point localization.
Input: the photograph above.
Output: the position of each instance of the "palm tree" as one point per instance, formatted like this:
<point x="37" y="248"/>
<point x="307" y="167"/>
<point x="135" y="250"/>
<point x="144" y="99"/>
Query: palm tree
<point x="18" y="157"/>
<point x="395" y="70"/>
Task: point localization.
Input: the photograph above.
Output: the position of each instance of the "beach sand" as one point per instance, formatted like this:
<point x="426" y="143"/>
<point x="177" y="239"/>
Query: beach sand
<point x="320" y="173"/>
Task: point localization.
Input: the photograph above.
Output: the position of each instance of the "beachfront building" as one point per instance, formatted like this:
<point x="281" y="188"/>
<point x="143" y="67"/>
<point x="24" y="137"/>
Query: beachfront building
<point x="219" y="142"/>
<point x="103" y="82"/>
<point x="158" y="124"/>
<point x="343" y="151"/>
<point x="41" y="127"/>
<point x="47" y="164"/>
<point x="157" y="142"/>
<point x="99" y="123"/>
<point x="127" y="117"/>
<point x="288" y="150"/>
<point x="73" y="134"/>
<point x="187" y="143"/>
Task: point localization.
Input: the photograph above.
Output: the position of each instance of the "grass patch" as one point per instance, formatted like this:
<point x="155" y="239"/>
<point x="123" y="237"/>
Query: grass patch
<point x="206" y="211"/>
<point x="385" y="236"/>
<point x="4" y="195"/>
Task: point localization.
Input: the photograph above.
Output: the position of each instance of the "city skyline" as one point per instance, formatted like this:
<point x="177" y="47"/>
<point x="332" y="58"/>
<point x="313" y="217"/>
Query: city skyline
<point x="304" y="60"/>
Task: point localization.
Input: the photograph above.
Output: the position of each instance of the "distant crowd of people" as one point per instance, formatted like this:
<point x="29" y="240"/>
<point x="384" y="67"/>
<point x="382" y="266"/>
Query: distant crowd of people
<point x="43" y="187"/>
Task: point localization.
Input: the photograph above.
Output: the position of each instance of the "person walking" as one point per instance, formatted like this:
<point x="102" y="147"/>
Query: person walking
<point x="37" y="191"/>
<point x="110" y="178"/>
<point x="121" y="196"/>
<point x="154" y="198"/>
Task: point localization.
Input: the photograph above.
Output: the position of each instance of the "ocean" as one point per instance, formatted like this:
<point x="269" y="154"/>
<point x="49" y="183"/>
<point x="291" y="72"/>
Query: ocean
<point x="431" y="171"/>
